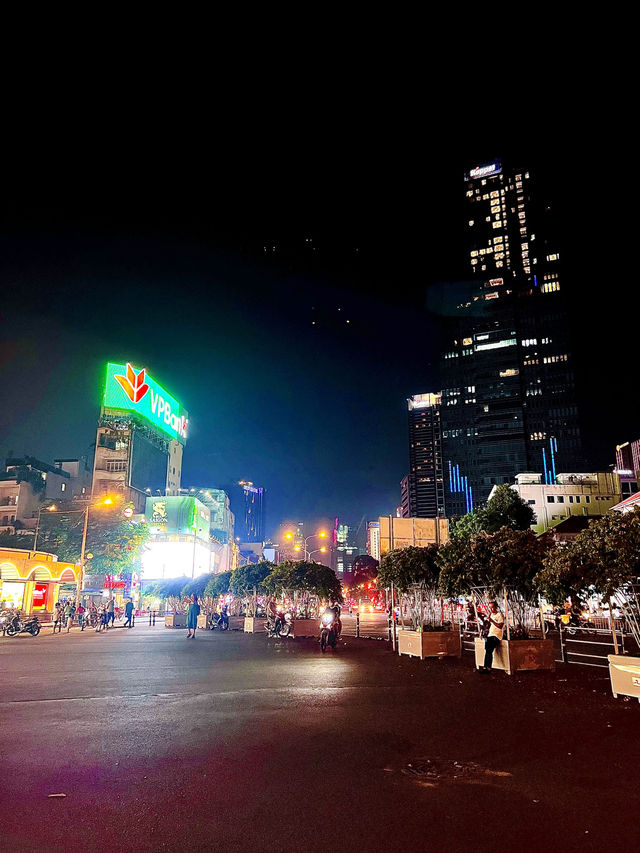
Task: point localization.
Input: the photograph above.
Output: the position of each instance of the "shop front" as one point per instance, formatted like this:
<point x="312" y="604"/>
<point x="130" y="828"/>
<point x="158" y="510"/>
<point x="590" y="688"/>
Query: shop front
<point x="33" y="580"/>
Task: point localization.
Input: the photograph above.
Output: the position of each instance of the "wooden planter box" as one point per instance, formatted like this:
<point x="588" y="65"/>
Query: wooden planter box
<point x="254" y="624"/>
<point x="236" y="623"/>
<point x="175" y="620"/>
<point x="203" y="621"/>
<point x="429" y="644"/>
<point x="305" y="628"/>
<point x="624" y="672"/>
<point x="518" y="655"/>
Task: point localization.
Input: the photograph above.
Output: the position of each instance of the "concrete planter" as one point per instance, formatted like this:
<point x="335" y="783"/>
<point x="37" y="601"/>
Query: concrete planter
<point x="624" y="672"/>
<point x="518" y="655"/>
<point x="429" y="644"/>
<point x="254" y="624"/>
<point x="305" y="627"/>
<point x="175" y="620"/>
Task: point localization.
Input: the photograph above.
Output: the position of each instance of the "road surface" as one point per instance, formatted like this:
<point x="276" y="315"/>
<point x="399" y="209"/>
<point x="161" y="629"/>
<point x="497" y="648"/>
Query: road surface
<point x="238" y="743"/>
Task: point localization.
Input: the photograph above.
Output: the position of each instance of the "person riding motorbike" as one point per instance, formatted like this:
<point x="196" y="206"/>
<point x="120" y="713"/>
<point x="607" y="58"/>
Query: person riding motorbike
<point x="336" y="610"/>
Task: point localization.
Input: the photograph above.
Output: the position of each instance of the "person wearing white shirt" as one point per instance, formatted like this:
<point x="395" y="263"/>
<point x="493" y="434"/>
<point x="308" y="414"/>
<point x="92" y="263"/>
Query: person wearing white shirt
<point x="496" y="625"/>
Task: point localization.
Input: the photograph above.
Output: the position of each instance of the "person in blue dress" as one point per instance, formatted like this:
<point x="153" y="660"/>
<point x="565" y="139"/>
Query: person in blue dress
<point x="192" y="617"/>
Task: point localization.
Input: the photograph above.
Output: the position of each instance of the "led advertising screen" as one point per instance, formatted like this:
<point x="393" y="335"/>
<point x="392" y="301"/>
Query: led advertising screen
<point x="148" y="465"/>
<point x="131" y="389"/>
<point x="174" y="514"/>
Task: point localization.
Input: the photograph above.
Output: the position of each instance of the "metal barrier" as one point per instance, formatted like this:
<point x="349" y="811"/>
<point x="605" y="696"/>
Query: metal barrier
<point x="590" y="646"/>
<point x="372" y="626"/>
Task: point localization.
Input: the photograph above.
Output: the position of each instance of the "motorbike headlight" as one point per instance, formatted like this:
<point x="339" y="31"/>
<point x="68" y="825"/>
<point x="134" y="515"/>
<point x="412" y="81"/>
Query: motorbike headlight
<point x="327" y="620"/>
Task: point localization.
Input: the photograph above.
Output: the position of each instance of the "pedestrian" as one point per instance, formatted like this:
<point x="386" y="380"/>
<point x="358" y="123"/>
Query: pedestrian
<point x="128" y="610"/>
<point x="496" y="625"/>
<point x="192" y="617"/>
<point x="111" y="611"/>
<point x="69" y="613"/>
<point x="80" y="614"/>
<point x="57" y="617"/>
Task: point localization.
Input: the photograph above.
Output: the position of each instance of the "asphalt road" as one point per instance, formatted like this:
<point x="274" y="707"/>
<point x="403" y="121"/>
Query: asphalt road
<point x="233" y="742"/>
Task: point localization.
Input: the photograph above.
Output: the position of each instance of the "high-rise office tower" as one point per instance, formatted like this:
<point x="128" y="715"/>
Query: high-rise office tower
<point x="253" y="498"/>
<point x="508" y="398"/>
<point x="423" y="488"/>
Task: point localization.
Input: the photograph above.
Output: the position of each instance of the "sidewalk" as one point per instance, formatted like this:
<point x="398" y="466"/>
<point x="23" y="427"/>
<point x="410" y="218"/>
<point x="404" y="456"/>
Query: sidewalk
<point x="46" y="630"/>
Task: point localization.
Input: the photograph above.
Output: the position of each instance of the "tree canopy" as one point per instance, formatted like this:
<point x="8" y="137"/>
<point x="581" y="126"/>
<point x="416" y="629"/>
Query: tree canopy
<point x="247" y="578"/>
<point x="197" y="586"/>
<point x="309" y="577"/>
<point x="218" y="584"/>
<point x="505" y="509"/>
<point x="405" y="567"/>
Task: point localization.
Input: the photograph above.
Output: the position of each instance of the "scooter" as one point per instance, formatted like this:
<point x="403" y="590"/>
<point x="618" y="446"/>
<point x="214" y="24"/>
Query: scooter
<point x="281" y="626"/>
<point x="220" y="621"/>
<point x="328" y="635"/>
<point x="30" y="626"/>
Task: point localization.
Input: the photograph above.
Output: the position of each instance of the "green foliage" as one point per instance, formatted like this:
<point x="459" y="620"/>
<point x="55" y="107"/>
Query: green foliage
<point x="507" y="509"/>
<point x="310" y="577"/>
<point x="603" y="559"/>
<point x="168" y="589"/>
<point x="458" y="572"/>
<point x="405" y="567"/>
<point x="508" y="559"/>
<point x="197" y="586"/>
<point x="247" y="578"/>
<point x="218" y="584"/>
<point x="116" y="544"/>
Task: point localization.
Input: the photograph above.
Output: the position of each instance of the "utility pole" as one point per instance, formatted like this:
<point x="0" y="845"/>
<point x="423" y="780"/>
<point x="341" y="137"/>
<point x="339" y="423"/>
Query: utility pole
<point x="84" y="543"/>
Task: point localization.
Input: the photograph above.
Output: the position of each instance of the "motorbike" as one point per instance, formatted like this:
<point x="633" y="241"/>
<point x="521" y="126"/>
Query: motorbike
<point x="219" y="621"/>
<point x="328" y="635"/>
<point x="281" y="625"/>
<point x="17" y="626"/>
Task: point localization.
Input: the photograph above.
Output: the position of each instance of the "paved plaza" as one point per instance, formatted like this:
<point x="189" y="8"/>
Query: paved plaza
<point x="238" y="743"/>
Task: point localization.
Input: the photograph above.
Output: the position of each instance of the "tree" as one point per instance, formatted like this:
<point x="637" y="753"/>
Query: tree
<point x="197" y="586"/>
<point x="463" y="528"/>
<point x="405" y="567"/>
<point x="603" y="559"/>
<point x="365" y="569"/>
<point x="309" y="578"/>
<point x="251" y="577"/>
<point x="218" y="584"/>
<point x="458" y="571"/>
<point x="507" y="509"/>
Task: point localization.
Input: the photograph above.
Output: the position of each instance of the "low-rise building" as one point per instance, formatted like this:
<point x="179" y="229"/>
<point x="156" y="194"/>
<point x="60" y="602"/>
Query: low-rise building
<point x="390" y="533"/>
<point x="572" y="494"/>
<point x="33" y="580"/>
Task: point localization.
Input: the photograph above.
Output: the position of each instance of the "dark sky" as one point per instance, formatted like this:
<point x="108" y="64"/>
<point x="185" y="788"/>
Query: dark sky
<point x="121" y="248"/>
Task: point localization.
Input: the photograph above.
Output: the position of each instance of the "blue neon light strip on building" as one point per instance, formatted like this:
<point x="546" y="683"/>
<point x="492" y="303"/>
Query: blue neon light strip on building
<point x="553" y="458"/>
<point x="460" y="483"/>
<point x="544" y="462"/>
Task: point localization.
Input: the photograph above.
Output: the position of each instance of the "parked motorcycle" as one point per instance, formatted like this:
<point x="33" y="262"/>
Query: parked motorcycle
<point x="17" y="626"/>
<point x="219" y="621"/>
<point x="281" y="625"/>
<point x="328" y="635"/>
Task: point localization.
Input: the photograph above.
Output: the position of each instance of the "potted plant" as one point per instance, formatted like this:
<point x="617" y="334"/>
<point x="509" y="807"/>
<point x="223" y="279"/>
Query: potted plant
<point x="307" y="585"/>
<point x="427" y="628"/>
<point x="604" y="560"/>
<point x="247" y="582"/>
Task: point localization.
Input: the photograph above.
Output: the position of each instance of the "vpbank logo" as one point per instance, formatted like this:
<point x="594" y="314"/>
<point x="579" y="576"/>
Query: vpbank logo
<point x="131" y="389"/>
<point x="134" y="386"/>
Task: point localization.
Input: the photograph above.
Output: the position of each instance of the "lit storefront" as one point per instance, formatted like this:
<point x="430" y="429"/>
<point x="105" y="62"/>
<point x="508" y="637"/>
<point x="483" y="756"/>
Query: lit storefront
<point x="32" y="580"/>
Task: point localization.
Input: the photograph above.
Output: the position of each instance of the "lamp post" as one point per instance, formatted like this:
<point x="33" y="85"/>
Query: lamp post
<point x="317" y="550"/>
<point x="52" y="508"/>
<point x="106" y="502"/>
<point x="321" y="534"/>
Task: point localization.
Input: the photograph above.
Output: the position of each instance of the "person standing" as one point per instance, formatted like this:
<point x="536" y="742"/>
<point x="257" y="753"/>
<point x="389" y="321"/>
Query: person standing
<point x="57" y="617"/>
<point x="496" y="625"/>
<point x="80" y="614"/>
<point x="128" y="610"/>
<point x="192" y="617"/>
<point x="111" y="613"/>
<point x="69" y="613"/>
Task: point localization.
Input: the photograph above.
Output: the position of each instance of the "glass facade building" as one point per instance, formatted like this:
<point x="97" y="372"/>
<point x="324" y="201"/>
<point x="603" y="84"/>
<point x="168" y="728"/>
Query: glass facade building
<point x="508" y="398"/>
<point x="423" y="488"/>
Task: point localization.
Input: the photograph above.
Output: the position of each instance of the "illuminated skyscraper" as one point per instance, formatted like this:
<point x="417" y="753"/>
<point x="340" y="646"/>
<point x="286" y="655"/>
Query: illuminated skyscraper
<point x="508" y="399"/>
<point x="423" y="492"/>
<point x="254" y="498"/>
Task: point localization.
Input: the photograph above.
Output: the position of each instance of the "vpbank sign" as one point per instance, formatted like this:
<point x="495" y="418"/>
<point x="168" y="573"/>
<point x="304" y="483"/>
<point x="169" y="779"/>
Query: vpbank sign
<point x="131" y="389"/>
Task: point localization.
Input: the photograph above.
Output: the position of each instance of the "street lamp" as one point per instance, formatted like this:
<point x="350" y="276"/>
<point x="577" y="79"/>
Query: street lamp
<point x="316" y="550"/>
<point x="106" y="502"/>
<point x="321" y="534"/>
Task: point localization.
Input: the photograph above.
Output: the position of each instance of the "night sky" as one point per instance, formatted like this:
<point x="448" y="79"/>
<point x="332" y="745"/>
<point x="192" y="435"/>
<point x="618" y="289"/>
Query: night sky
<point x="155" y="254"/>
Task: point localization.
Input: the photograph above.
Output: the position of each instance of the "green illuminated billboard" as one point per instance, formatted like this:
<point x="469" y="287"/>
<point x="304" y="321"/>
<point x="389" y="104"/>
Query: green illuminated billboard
<point x="130" y="390"/>
<point x="177" y="515"/>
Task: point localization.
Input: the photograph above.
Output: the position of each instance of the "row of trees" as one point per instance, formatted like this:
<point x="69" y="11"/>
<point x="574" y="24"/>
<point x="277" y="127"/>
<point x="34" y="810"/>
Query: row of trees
<point x="493" y="550"/>
<point x="264" y="578"/>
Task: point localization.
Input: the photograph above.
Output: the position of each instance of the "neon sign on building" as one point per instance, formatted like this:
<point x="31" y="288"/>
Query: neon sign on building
<point x="129" y="389"/>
